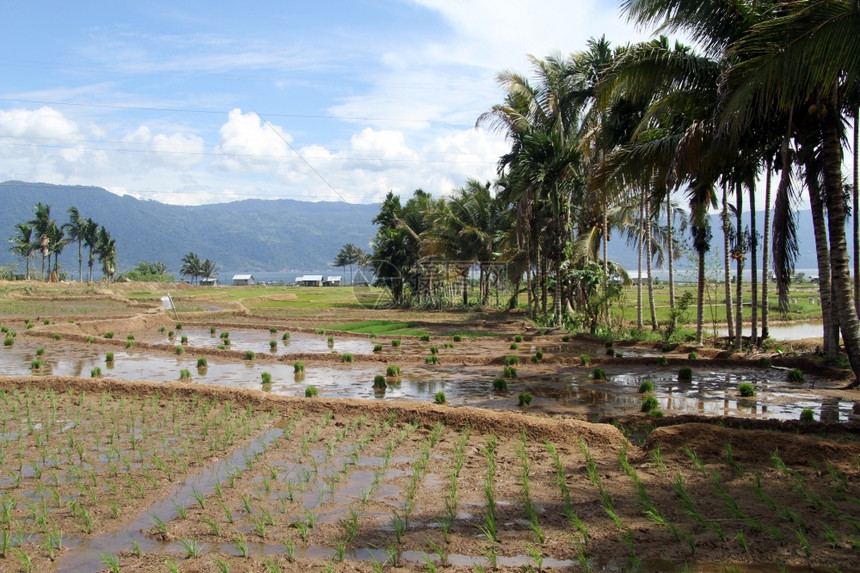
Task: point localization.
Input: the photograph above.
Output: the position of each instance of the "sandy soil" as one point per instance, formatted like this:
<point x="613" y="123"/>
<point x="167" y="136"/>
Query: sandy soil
<point x="198" y="476"/>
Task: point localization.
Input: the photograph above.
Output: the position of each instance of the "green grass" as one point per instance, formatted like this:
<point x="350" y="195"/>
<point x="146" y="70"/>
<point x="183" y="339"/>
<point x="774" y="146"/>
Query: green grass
<point x="381" y="328"/>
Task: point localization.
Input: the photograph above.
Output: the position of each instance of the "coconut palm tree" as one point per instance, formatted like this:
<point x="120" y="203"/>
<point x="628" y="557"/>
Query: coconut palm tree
<point x="208" y="270"/>
<point x="106" y="251"/>
<point x="75" y="228"/>
<point x="23" y="245"/>
<point x="41" y="224"/>
<point x="90" y="237"/>
<point x="191" y="266"/>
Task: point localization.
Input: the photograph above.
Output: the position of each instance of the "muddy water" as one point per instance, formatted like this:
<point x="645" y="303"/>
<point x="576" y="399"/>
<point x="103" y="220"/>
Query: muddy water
<point x="568" y="390"/>
<point x="258" y="341"/>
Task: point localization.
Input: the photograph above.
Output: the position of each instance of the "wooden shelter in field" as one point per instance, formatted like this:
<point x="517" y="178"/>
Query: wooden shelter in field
<point x="243" y="280"/>
<point x="332" y="281"/>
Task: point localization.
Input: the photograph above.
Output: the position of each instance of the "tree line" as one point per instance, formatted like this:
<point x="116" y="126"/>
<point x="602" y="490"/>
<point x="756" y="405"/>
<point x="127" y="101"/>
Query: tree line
<point x="604" y="140"/>
<point x="43" y="235"/>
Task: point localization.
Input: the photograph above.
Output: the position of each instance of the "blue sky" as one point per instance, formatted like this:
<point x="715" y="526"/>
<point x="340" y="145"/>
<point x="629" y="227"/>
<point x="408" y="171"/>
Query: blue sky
<point x="202" y="102"/>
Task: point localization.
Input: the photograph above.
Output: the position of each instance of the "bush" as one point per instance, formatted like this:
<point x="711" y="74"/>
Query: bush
<point x="514" y="346"/>
<point x="649" y="403"/>
<point x="109" y="357"/>
<point x="440" y="398"/>
<point x="662" y="361"/>
<point x="178" y="326"/>
<point x="95" y="372"/>
<point x="249" y="355"/>
<point x="432" y="359"/>
<point x="795" y="375"/>
<point x="36" y="364"/>
<point x="285" y="336"/>
<point x="202" y="363"/>
<point x="392" y="371"/>
<point x="509" y="372"/>
<point x="90" y="339"/>
<point x="273" y="345"/>
<point x="161" y="330"/>
<point x="130" y="337"/>
<point x="685" y="373"/>
<point x="183" y="339"/>
<point x="169" y="334"/>
<point x="108" y="335"/>
<point x="265" y="378"/>
<point x="500" y="384"/>
<point x="534" y="359"/>
<point x="746" y="389"/>
<point x="129" y="343"/>
<point x="693" y="355"/>
<point x="377" y="348"/>
<point x="457" y="338"/>
<point x="524" y="399"/>
<point x="518" y="338"/>
<point x="8" y="341"/>
<point x="330" y="340"/>
<point x="539" y="354"/>
<point x="765" y="362"/>
<point x="585" y="359"/>
<point x="807" y="415"/>
<point x="224" y="334"/>
<point x="448" y="345"/>
<point x="40" y="351"/>
<point x="434" y="350"/>
<point x="424" y="338"/>
<point x="512" y="360"/>
<point x="610" y="351"/>
<point x="379" y="382"/>
<point x="211" y="330"/>
<point x="57" y="336"/>
<point x="225" y="341"/>
<point x="273" y="330"/>
<point x="298" y="366"/>
<point x="346" y="357"/>
<point x="395" y="343"/>
<point x="311" y="392"/>
<point x="565" y="338"/>
<point x="598" y="374"/>
<point x="185" y="374"/>
<point x="646" y="386"/>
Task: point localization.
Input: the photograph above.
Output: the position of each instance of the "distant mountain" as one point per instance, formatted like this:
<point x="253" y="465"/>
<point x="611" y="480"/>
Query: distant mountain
<point x="258" y="235"/>
<point x="244" y="236"/>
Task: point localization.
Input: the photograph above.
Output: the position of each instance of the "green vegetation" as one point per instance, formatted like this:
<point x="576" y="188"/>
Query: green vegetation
<point x="598" y="374"/>
<point x="646" y="386"/>
<point x="649" y="404"/>
<point x="685" y="373"/>
<point x="524" y="399"/>
<point x="392" y="371"/>
<point x="795" y="375"/>
<point x="265" y="378"/>
<point x="439" y="398"/>
<point x="202" y="362"/>
<point x="379" y="382"/>
<point x="500" y="385"/>
<point x="807" y="415"/>
<point x="746" y="389"/>
<point x="298" y="367"/>
<point x="311" y="392"/>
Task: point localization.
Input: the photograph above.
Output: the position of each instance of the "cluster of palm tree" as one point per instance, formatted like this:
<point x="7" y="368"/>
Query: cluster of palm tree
<point x="351" y="254"/>
<point x="604" y="139"/>
<point x="42" y="235"/>
<point x="193" y="267"/>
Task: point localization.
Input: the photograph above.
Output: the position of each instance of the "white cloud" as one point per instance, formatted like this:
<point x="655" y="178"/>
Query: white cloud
<point x="42" y="123"/>
<point x="249" y="144"/>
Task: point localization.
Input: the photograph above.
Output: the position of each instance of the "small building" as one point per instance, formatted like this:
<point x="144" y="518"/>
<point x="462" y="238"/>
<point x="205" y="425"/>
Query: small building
<point x="309" y="280"/>
<point x="332" y="281"/>
<point x="208" y="281"/>
<point x="243" y="280"/>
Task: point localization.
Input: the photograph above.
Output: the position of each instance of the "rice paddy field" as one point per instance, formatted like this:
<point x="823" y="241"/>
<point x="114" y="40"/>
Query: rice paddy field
<point x="145" y="469"/>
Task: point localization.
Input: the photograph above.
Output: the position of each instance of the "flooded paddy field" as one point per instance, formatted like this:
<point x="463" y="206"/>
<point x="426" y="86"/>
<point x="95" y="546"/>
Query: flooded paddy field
<point x="566" y="389"/>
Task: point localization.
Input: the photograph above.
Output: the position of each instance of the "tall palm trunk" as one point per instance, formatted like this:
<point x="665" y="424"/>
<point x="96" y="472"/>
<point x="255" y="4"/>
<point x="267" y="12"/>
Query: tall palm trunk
<point x="670" y="252"/>
<point x="639" y="319"/>
<point x="855" y="213"/>
<point x="700" y="300"/>
<point x="739" y="303"/>
<point x="765" y="260"/>
<point x="654" y="324"/>
<point x="753" y="270"/>
<point x="727" y="266"/>
<point x="831" y="152"/>
<point x="822" y="255"/>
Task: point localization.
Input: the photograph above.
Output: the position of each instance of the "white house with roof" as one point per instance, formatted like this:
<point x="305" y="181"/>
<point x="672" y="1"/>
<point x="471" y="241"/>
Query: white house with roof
<point x="309" y="280"/>
<point x="243" y="280"/>
<point x="332" y="281"/>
